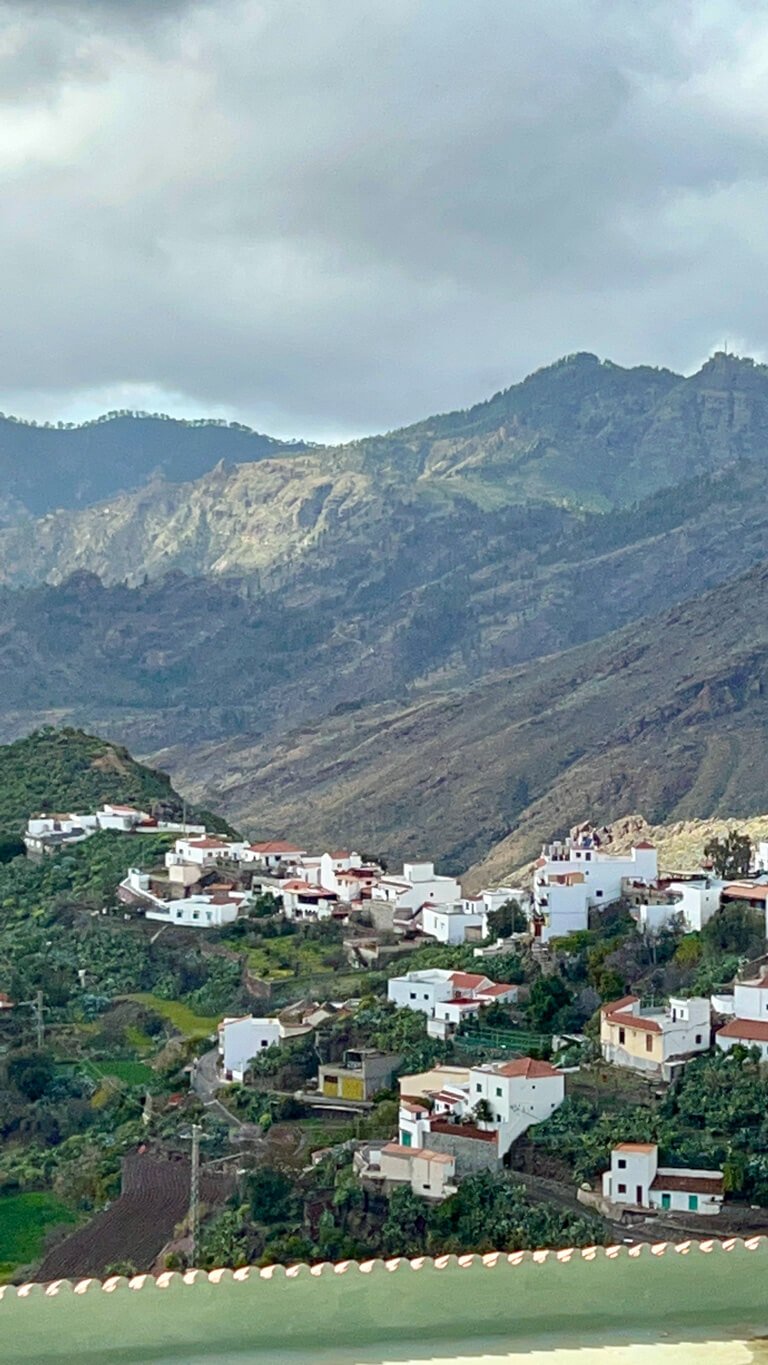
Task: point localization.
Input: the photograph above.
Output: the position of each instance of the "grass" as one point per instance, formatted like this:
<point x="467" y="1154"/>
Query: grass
<point x="180" y="1016"/>
<point x="279" y="958"/>
<point x="24" y="1220"/>
<point x="130" y="1073"/>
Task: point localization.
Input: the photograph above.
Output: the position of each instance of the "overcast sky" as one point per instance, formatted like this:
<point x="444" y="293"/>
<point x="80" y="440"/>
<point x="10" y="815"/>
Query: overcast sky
<point x="328" y="217"/>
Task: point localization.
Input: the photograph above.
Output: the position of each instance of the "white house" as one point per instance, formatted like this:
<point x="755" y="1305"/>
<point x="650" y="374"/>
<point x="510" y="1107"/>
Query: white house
<point x="658" y="1041"/>
<point x="637" y="1180"/>
<point x="121" y="817"/>
<point x="512" y="1097"/>
<point x="206" y="851"/>
<point x="749" y="1028"/>
<point x="240" y="1040"/>
<point x="454" y="924"/>
<point x="418" y="883"/>
<point x="198" y="912"/>
<point x="694" y="901"/>
<point x="272" y="853"/>
<point x="301" y="900"/>
<point x="572" y="877"/>
<point x="446" y="997"/>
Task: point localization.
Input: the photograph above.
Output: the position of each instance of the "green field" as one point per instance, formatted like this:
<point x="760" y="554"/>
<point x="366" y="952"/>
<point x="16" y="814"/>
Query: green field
<point x="130" y="1073"/>
<point x="183" y="1019"/>
<point x="24" y="1219"/>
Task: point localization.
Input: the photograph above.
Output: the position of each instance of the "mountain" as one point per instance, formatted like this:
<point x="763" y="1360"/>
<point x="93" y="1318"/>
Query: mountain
<point x="583" y="434"/>
<point x="69" y="770"/>
<point x="319" y="638"/>
<point x="47" y="467"/>
<point x="668" y="717"/>
<point x="181" y="661"/>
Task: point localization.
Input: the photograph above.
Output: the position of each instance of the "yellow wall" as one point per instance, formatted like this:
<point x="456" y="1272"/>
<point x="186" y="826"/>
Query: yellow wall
<point x="352" y="1087"/>
<point x="634" y="1041"/>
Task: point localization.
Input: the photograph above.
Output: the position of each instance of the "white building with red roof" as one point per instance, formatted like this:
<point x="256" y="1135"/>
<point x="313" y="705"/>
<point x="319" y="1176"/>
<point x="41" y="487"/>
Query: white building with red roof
<point x="749" y="1027"/>
<point x="447" y="997"/>
<point x="273" y="853"/>
<point x="206" y="851"/>
<point x="637" y="1181"/>
<point x="498" y="1102"/>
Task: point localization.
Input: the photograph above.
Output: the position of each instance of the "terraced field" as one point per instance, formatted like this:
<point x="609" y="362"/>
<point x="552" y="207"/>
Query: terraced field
<point x="135" y="1228"/>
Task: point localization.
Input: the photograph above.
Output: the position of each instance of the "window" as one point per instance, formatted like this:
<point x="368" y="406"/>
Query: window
<point x="698" y="1037"/>
<point x="498" y="1090"/>
<point x="622" y="1189"/>
<point x="498" y="1118"/>
<point x="621" y="1035"/>
<point x="649" y="1042"/>
<point x="588" y="857"/>
<point x="621" y="1163"/>
<point x="413" y="995"/>
<point x="598" y="894"/>
<point x="478" y="1087"/>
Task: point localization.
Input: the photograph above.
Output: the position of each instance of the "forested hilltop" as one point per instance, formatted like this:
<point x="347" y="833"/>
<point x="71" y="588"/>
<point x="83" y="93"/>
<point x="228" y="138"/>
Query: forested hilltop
<point x="68" y="770"/>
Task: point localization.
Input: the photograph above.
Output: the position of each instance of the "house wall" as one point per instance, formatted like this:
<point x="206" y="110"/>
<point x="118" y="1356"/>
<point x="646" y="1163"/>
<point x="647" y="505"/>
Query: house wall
<point x="242" y="1040"/>
<point x="517" y="1102"/>
<point x="725" y="1045"/>
<point x="750" y="1002"/>
<point x="417" y="995"/>
<point x="631" y="1176"/>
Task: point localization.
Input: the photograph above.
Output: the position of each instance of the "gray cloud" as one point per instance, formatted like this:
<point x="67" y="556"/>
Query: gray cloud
<point x="339" y="215"/>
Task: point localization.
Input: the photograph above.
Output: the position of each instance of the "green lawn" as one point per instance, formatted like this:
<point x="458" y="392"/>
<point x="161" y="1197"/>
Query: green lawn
<point x="130" y="1073"/>
<point x="183" y="1019"/>
<point x="24" y="1219"/>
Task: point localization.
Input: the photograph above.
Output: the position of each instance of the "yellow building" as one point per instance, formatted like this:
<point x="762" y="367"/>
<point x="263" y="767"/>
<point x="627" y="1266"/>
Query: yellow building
<point x="362" y="1074"/>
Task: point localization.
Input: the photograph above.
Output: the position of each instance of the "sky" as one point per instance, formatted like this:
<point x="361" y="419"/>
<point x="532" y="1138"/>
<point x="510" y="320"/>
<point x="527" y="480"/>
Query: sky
<point x="332" y="217"/>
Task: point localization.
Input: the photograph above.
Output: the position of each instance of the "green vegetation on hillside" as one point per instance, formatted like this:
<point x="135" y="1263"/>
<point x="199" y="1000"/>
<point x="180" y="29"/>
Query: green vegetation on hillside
<point x="24" y="1221"/>
<point x="62" y="770"/>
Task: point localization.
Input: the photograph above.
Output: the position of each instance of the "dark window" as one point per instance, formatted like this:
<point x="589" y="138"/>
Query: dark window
<point x="498" y="1089"/>
<point x="649" y="1042"/>
<point x="698" y="1037"/>
<point x="622" y="1189"/>
<point x="621" y="1035"/>
<point x="598" y="894"/>
<point x="621" y="1163"/>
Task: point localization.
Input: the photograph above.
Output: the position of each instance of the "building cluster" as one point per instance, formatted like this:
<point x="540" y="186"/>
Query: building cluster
<point x="47" y="833"/>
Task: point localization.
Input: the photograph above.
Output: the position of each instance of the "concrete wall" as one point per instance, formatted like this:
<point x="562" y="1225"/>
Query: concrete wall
<point x="470" y="1154"/>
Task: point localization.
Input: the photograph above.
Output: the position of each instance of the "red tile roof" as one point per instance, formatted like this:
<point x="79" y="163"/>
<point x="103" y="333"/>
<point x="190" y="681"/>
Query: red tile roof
<point x="633" y="1021"/>
<point x="500" y="989"/>
<point x="689" y="1184"/>
<point x="635" y="1147"/>
<point x="527" y="1067"/>
<point x="468" y="981"/>
<point x="746" y="892"/>
<point x="208" y="843"/>
<point x="274" y="846"/>
<point x="613" y="1005"/>
<point x="754" y="1030"/>
<point x="644" y="844"/>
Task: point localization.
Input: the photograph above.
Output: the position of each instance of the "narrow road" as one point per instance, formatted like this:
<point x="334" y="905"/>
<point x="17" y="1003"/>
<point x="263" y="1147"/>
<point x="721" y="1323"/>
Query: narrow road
<point x="205" y="1082"/>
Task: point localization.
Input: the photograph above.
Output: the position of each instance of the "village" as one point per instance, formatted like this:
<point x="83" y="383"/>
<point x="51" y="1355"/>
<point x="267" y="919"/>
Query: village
<point x="498" y="1063"/>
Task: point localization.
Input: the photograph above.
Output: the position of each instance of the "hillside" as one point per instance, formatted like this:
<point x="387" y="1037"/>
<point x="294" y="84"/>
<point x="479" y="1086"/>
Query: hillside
<point x="69" y="770"/>
<point x="45" y="467"/>
<point x="580" y="434"/>
<point x="667" y="717"/>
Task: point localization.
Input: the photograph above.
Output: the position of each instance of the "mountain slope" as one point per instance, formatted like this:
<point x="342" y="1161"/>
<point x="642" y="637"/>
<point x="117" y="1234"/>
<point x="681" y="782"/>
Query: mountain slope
<point x="42" y="468"/>
<point x="181" y="660"/>
<point x="667" y="717"/>
<point x="581" y="434"/>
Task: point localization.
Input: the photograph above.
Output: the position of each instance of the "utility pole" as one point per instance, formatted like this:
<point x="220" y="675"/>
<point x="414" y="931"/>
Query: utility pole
<point x="195" y="1134"/>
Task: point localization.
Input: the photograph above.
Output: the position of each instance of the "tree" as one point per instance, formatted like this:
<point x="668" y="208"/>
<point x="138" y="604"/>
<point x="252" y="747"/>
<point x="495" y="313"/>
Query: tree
<point x="483" y="1112"/>
<point x="548" y="995"/>
<point x="730" y="856"/>
<point x="508" y="919"/>
<point x="735" y="928"/>
<point x="404" y="1231"/>
<point x="271" y="1195"/>
<point x="31" y="1073"/>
